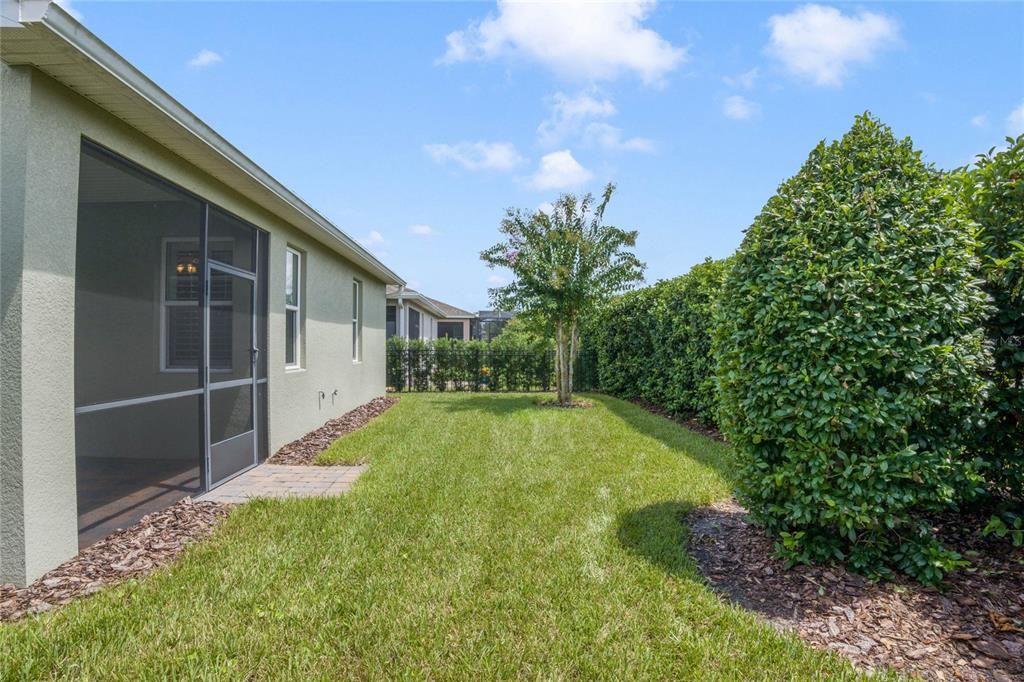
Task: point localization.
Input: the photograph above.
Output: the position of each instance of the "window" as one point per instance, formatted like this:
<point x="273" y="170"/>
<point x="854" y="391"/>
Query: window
<point x="181" y="311"/>
<point x="357" y="320"/>
<point x="414" y="323"/>
<point x="449" y="330"/>
<point x="292" y="309"/>
<point x="392" y="321"/>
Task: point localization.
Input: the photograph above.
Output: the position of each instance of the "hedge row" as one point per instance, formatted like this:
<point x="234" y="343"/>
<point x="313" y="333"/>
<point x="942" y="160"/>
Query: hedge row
<point x="854" y="333"/>
<point x="654" y="344"/>
<point x="993" y="194"/>
<point x="516" y="363"/>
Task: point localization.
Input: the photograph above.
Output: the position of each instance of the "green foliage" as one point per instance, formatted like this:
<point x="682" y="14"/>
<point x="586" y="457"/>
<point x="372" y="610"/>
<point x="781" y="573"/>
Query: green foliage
<point x="564" y="263"/>
<point x="850" y="355"/>
<point x="993" y="193"/>
<point x="655" y="343"/>
<point x="1006" y="525"/>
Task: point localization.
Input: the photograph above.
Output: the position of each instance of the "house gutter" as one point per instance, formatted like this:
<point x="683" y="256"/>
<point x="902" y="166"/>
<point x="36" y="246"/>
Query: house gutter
<point x="66" y="28"/>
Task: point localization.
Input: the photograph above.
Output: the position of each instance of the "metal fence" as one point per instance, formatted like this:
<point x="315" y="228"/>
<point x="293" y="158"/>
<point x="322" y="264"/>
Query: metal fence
<point x="481" y="369"/>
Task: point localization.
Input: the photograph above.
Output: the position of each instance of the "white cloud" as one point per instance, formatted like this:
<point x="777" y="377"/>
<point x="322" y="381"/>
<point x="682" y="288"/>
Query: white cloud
<point x="821" y="43"/>
<point x="559" y="170"/>
<point x="501" y="156"/>
<point x="573" y="117"/>
<point x="546" y="207"/>
<point x="496" y="280"/>
<point x="578" y="39"/>
<point x="739" y="108"/>
<point x="421" y="230"/>
<point x="205" y="58"/>
<point x="607" y="136"/>
<point x="68" y="7"/>
<point x="743" y="80"/>
<point x="1015" y="121"/>
<point x="568" y="113"/>
<point x="979" y="121"/>
<point x="372" y="240"/>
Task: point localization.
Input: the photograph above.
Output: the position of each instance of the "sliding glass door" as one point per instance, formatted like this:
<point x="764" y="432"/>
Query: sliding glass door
<point x="170" y="311"/>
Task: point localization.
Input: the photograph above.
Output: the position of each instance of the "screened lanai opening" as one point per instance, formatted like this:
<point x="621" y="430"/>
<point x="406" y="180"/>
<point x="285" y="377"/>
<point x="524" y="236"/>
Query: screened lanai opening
<point x="170" y="321"/>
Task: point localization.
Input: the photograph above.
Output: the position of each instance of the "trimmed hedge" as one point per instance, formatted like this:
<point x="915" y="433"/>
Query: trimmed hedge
<point x="993" y="193"/>
<point x="655" y="343"/>
<point x="850" y="355"/>
<point x="513" y="364"/>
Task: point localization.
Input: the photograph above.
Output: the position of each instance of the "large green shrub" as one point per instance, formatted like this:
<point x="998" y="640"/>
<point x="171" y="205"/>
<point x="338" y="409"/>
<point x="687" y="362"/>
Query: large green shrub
<point x="622" y="334"/>
<point x="682" y="353"/>
<point x="993" y="193"/>
<point x="655" y="343"/>
<point x="850" y="355"/>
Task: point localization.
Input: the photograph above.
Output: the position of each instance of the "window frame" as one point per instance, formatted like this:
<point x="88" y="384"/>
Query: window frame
<point x="357" y="320"/>
<point x="166" y="303"/>
<point x="296" y="308"/>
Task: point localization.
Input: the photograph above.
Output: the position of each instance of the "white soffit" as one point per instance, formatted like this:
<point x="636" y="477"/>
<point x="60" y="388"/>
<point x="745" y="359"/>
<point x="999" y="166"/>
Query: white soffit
<point x="39" y="33"/>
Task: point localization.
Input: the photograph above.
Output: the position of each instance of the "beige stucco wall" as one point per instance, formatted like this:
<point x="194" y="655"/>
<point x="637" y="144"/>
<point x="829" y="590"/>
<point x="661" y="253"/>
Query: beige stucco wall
<point x="43" y="125"/>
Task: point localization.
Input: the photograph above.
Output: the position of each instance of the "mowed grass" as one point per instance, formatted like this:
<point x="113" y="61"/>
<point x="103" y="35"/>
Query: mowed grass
<point x="490" y="539"/>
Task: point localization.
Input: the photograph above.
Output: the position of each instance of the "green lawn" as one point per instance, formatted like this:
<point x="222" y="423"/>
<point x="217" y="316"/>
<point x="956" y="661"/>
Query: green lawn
<point x="490" y="538"/>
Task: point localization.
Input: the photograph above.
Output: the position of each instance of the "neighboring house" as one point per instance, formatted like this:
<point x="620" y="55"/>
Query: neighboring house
<point x="411" y="315"/>
<point x="171" y="312"/>
<point x="455" y="323"/>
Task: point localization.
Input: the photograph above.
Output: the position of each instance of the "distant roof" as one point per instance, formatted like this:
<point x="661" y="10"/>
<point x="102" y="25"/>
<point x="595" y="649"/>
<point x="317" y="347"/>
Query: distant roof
<point x="445" y="310"/>
<point x="450" y="310"/>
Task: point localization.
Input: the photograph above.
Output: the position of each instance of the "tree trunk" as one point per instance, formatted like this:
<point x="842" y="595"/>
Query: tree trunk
<point x="562" y="364"/>
<point x="573" y="348"/>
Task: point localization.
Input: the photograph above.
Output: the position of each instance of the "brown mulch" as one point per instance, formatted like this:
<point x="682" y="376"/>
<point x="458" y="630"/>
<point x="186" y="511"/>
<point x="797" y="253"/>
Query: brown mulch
<point x="973" y="629"/>
<point x="156" y="540"/>
<point x="305" y="449"/>
<point x="572" y="404"/>
<point x="691" y="423"/>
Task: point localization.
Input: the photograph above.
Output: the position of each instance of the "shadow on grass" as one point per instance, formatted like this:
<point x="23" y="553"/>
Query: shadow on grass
<point x="709" y="452"/>
<point x="657" y="533"/>
<point x="497" y="404"/>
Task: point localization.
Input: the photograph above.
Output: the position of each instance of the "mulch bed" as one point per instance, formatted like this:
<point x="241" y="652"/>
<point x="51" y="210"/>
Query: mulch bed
<point x="973" y="629"/>
<point x="693" y="424"/>
<point x="156" y="540"/>
<point x="572" y="404"/>
<point x="305" y="449"/>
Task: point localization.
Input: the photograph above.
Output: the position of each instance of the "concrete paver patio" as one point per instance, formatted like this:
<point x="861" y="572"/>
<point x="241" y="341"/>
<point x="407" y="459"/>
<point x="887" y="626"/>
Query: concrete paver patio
<point x="278" y="480"/>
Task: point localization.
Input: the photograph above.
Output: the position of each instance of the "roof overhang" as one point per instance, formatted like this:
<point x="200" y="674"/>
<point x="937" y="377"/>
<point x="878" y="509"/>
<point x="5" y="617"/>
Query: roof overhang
<point x="417" y="299"/>
<point x="39" y="33"/>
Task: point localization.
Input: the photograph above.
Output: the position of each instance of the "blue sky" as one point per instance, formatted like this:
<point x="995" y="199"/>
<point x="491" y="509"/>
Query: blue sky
<point x="414" y="125"/>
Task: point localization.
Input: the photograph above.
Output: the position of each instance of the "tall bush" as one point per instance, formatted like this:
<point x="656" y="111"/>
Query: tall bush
<point x="993" y="193"/>
<point x="655" y="343"/>
<point x="849" y="355"/>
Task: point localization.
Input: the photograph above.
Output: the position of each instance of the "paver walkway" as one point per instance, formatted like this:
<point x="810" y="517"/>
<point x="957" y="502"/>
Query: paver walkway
<point x="279" y="480"/>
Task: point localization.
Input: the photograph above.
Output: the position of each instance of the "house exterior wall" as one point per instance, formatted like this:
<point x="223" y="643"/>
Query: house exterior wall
<point x="43" y="124"/>
<point x="428" y="322"/>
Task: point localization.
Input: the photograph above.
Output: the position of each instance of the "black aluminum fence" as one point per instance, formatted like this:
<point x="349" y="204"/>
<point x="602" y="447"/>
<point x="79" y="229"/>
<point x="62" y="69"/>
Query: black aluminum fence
<point x="481" y="369"/>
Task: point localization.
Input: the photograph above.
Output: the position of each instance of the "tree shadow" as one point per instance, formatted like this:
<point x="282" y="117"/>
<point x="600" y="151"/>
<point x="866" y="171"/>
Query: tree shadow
<point x="497" y="404"/>
<point x="707" y="451"/>
<point x="658" y="534"/>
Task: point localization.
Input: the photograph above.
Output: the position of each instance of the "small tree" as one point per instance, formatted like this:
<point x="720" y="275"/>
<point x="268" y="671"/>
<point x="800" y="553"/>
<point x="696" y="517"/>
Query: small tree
<point x="565" y="263"/>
